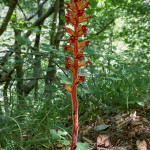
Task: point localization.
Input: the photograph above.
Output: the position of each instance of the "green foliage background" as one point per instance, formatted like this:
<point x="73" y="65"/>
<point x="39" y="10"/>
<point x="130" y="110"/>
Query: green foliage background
<point x="118" y="78"/>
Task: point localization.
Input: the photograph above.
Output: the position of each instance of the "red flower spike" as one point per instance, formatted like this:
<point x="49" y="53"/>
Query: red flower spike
<point x="68" y="48"/>
<point x="80" y="79"/>
<point x="67" y="87"/>
<point x="83" y="63"/>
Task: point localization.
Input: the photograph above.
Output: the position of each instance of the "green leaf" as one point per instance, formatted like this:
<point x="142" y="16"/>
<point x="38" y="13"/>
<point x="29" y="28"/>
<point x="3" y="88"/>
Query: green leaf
<point x="82" y="146"/>
<point x="141" y="104"/>
<point x="62" y="132"/>
<point x="54" y="134"/>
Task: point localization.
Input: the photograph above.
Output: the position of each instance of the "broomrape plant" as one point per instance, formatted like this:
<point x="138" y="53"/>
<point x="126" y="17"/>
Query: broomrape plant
<point x="76" y="15"/>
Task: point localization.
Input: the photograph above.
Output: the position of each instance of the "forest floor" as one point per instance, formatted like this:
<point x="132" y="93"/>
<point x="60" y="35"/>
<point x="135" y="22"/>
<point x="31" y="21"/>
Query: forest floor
<point x="126" y="131"/>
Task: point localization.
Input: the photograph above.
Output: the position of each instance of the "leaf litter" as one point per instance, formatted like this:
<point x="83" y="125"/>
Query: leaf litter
<point x="126" y="131"/>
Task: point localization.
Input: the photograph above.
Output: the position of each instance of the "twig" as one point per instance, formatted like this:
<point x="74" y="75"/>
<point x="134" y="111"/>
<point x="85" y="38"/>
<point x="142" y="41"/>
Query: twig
<point x="29" y="18"/>
<point x="105" y="26"/>
<point x="22" y="11"/>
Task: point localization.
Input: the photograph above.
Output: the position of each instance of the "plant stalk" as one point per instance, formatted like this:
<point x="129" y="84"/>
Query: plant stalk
<point x="74" y="95"/>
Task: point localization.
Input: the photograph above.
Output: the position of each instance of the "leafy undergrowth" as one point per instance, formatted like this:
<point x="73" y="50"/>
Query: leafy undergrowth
<point x="99" y="130"/>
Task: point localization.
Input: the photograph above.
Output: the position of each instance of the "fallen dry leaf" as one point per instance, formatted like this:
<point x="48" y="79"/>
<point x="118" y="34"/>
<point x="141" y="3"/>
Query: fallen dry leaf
<point x="134" y="117"/>
<point x="136" y="123"/>
<point x="103" y="140"/>
<point x="141" y="145"/>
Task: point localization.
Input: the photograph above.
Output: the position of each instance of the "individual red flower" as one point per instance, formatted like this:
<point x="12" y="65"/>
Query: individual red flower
<point x="68" y="20"/>
<point x="84" y="29"/>
<point x="80" y="13"/>
<point x="72" y="39"/>
<point x="79" y="56"/>
<point x="84" y="18"/>
<point x="68" y="48"/>
<point x="80" y="79"/>
<point x="67" y="87"/>
<point x="71" y="6"/>
<point x="81" y="51"/>
<point x="69" y="64"/>
<point x="70" y="31"/>
<point x="83" y="4"/>
<point x="72" y="17"/>
<point x="83" y="63"/>
<point x="83" y="44"/>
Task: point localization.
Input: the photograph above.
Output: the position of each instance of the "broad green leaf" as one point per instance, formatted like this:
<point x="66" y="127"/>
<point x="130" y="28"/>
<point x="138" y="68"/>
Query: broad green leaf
<point x="82" y="146"/>
<point x="54" y="134"/>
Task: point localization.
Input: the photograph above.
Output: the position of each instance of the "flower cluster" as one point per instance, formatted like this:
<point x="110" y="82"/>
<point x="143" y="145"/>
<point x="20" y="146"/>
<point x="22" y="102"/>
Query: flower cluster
<point x="76" y="15"/>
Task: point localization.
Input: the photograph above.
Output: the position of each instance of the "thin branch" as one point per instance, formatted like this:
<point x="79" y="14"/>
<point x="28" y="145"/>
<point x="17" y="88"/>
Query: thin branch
<point x="105" y="26"/>
<point x="12" y="7"/>
<point x="40" y="20"/>
<point x="2" y="68"/>
<point x="54" y="22"/>
<point x="22" y="11"/>
<point x="7" y="76"/>
<point x="40" y="7"/>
